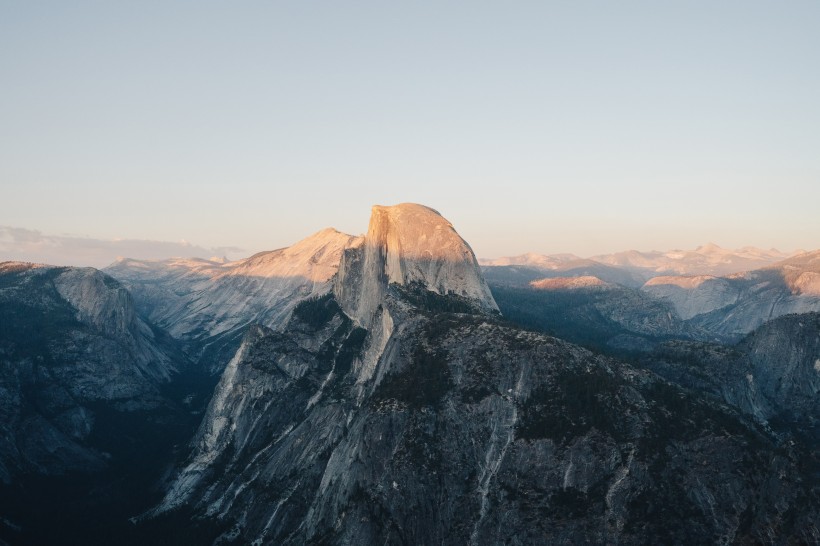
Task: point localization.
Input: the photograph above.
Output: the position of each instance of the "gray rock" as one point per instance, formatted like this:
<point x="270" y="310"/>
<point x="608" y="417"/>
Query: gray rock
<point x="70" y="343"/>
<point x="208" y="305"/>
<point x="772" y="374"/>
<point x="474" y="432"/>
<point x="733" y="306"/>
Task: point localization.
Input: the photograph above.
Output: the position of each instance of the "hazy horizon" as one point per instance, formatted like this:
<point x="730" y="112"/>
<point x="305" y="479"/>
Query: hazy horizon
<point x="27" y="245"/>
<point x="542" y="127"/>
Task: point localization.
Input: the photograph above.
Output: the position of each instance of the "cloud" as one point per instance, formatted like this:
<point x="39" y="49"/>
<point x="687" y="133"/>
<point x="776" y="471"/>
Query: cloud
<point x="29" y="245"/>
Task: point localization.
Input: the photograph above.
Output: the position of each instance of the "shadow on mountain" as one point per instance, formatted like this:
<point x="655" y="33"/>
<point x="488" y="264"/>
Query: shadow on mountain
<point x="96" y="405"/>
<point x="612" y="319"/>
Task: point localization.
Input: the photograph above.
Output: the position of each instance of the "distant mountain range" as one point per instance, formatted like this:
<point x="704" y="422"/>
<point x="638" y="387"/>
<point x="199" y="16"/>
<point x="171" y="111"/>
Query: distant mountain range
<point x="756" y="285"/>
<point x="709" y="259"/>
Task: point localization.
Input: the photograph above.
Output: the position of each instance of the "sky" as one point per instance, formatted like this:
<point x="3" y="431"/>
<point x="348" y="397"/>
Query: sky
<point x="583" y="127"/>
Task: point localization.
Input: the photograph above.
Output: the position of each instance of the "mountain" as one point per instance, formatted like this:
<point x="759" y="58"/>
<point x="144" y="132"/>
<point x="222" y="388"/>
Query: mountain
<point x="600" y="309"/>
<point x="709" y="259"/>
<point x="531" y="259"/>
<point x="69" y="339"/>
<point x="783" y="363"/>
<point x="604" y="317"/>
<point x="400" y="408"/>
<point x="89" y="419"/>
<point x="695" y="295"/>
<point x="569" y="283"/>
<point x="381" y="389"/>
<point x="773" y="374"/>
<point x="208" y="304"/>
<point x="734" y="305"/>
<point x="412" y="246"/>
<point x="521" y="274"/>
<point x="633" y="266"/>
<point x="801" y="273"/>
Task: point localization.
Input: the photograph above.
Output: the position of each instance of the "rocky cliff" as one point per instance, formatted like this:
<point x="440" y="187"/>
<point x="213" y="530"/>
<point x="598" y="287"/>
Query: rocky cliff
<point x="70" y="342"/>
<point x="773" y="374"/>
<point x="412" y="246"/>
<point x="731" y="307"/>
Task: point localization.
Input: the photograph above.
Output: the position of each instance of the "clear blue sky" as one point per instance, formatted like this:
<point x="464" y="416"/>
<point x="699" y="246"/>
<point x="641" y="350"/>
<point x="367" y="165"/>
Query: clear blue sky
<point x="584" y="127"/>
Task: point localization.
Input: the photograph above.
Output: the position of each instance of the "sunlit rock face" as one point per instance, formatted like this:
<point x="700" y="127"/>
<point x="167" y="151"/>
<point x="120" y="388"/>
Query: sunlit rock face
<point x="802" y="273"/>
<point x="209" y="304"/>
<point x="569" y="283"/>
<point x="398" y="409"/>
<point x="733" y="306"/>
<point x="188" y="296"/>
<point x="409" y="245"/>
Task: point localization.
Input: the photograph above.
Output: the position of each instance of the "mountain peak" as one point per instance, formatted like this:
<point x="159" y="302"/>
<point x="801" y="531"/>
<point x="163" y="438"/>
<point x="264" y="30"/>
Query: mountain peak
<point x="406" y="208"/>
<point x="315" y="257"/>
<point x="415" y="232"/>
<point x="709" y="247"/>
<point x="410" y="244"/>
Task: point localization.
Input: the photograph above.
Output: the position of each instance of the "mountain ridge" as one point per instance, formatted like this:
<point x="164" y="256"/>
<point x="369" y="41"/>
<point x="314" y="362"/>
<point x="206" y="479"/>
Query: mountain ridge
<point x="707" y="259"/>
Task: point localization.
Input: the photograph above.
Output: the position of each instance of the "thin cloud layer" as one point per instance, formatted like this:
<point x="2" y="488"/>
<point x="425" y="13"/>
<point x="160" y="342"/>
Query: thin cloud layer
<point x="29" y="245"/>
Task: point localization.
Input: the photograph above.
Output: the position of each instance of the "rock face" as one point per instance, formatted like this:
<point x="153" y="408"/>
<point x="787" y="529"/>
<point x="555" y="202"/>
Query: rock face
<point x="773" y="374"/>
<point x="209" y="304"/>
<point x="733" y="306"/>
<point x="71" y="345"/>
<point x="413" y="246"/>
<point x="783" y="358"/>
<point x="569" y="283"/>
<point x="399" y="409"/>
<point x="693" y="296"/>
